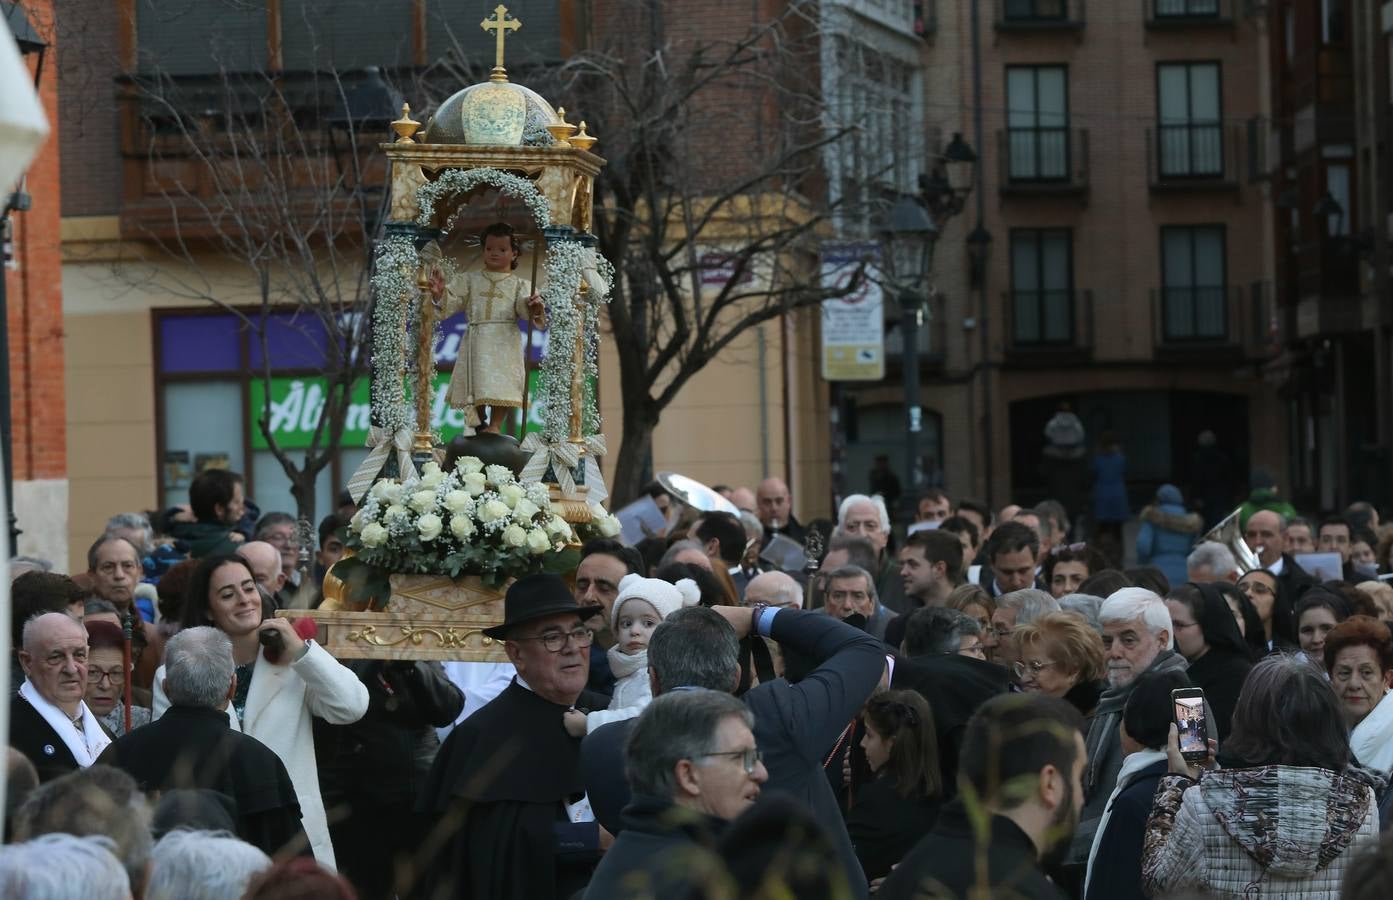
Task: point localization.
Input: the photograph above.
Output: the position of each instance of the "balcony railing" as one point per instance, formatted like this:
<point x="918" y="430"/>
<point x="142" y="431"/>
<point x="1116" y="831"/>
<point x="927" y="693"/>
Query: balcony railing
<point x="1039" y="15"/>
<point x="1194" y="157"/>
<point x="1048" y="325"/>
<point x="1164" y="14"/>
<point x="1043" y="160"/>
<point x="1201" y="321"/>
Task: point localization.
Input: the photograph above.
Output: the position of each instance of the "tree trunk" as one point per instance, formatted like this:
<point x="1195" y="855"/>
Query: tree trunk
<point x="302" y="488"/>
<point x="635" y="449"/>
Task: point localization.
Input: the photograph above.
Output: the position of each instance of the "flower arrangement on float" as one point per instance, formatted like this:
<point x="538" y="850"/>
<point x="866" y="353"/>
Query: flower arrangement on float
<point x="473" y="520"/>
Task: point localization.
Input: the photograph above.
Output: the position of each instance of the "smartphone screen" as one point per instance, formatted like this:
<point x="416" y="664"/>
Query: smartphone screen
<point x="1189" y="721"/>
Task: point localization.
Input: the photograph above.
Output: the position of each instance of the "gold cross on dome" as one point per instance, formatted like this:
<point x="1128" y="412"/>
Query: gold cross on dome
<point x="500" y="24"/>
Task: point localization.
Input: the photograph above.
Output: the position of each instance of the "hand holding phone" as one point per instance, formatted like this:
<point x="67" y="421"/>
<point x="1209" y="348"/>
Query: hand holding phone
<point x="1189" y="746"/>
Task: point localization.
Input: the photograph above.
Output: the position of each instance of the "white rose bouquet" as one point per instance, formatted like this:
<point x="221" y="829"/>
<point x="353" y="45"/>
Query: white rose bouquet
<point x="472" y="520"/>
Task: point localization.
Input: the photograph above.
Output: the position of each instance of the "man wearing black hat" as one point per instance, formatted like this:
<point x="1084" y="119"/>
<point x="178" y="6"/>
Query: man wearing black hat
<point x="505" y="788"/>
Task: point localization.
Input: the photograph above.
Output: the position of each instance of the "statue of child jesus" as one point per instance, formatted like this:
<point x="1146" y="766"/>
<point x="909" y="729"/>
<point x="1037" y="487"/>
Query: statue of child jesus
<point x="491" y="370"/>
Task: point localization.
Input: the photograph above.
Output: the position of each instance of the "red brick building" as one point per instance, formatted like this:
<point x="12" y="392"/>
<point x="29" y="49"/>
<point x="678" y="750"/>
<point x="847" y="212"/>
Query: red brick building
<point x="34" y="296"/>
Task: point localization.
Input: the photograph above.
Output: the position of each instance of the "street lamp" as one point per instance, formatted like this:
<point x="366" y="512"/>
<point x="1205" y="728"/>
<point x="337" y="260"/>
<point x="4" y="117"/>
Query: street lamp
<point x="909" y="235"/>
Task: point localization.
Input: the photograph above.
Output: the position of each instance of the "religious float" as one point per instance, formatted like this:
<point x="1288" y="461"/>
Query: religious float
<point x="496" y="187"/>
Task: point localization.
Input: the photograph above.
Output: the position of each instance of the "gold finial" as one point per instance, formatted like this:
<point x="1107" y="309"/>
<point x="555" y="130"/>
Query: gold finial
<point x="583" y="140"/>
<point x="562" y="130"/>
<point x="501" y="24"/>
<point x="406" y="126"/>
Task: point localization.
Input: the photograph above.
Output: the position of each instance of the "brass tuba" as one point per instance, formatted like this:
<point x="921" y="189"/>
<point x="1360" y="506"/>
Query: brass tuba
<point x="1229" y="533"/>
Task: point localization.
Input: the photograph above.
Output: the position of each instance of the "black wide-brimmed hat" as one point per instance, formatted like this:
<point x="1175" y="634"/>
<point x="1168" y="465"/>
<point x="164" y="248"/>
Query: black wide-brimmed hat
<point x="535" y="597"/>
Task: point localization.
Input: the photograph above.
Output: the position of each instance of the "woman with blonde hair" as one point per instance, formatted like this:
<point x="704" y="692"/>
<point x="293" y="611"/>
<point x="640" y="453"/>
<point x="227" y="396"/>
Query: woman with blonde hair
<point x="1061" y="655"/>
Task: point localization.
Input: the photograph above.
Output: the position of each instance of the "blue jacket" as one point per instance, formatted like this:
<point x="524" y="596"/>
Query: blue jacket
<point x="1167" y="535"/>
<point x="1117" y="865"/>
<point x="1110" y="488"/>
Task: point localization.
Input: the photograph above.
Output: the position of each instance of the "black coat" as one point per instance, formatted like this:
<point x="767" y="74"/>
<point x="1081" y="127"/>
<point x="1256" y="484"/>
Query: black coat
<point x="372" y="770"/>
<point x="796" y="725"/>
<point x="1291" y="584"/>
<point x="657" y="854"/>
<point x="1117" y="864"/>
<point x="944" y="864"/>
<point x="1220" y="673"/>
<point x="195" y="748"/>
<point x="954" y="686"/>
<point x="31" y="735"/>
<point x="884" y="826"/>
<point x="499" y="783"/>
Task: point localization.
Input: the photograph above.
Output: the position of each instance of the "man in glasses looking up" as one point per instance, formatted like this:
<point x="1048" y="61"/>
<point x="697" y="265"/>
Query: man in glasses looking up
<point x="509" y="774"/>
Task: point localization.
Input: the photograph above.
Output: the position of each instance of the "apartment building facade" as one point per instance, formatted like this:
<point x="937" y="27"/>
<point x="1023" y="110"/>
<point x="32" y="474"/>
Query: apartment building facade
<point x="1127" y="271"/>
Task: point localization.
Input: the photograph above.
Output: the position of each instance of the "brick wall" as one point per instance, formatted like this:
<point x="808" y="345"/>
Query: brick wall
<point x="34" y="294"/>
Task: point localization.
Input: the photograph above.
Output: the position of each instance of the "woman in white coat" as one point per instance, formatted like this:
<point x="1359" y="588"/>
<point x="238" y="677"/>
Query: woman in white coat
<point x="274" y="698"/>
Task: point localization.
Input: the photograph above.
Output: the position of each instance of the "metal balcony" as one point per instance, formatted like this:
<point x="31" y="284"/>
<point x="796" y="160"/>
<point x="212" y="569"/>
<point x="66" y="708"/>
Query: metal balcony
<point x="1043" y="161"/>
<point x="1194" y="157"/>
<point x="1048" y="327"/>
<point x="1040" y="15"/>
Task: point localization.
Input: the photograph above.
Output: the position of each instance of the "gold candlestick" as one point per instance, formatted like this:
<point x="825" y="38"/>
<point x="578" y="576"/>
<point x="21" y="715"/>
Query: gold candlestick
<point x="425" y="365"/>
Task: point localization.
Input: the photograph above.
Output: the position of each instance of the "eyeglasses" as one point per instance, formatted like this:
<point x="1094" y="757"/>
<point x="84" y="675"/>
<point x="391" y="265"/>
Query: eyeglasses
<point x="1069" y="548"/>
<point x="1034" y="667"/>
<point x="1180" y="625"/>
<point x="116" y="677"/>
<point x="748" y="758"/>
<point x="554" y="641"/>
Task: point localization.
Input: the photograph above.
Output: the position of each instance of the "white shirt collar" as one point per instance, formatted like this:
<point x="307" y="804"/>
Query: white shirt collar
<point x="522" y="684"/>
<point x="1276" y="567"/>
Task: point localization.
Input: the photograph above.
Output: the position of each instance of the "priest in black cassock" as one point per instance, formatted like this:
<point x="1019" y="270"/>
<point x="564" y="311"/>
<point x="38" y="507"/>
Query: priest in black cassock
<point x="505" y="790"/>
<point x="192" y="746"/>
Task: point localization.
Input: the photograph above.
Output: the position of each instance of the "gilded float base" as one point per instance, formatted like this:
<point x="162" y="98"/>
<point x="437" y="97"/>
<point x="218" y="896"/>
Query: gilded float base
<point x="427" y="617"/>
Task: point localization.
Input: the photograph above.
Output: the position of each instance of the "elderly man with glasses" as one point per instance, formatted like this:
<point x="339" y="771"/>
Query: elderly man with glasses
<point x="49" y="722"/>
<point x="505" y="785"/>
<point x="693" y="765"/>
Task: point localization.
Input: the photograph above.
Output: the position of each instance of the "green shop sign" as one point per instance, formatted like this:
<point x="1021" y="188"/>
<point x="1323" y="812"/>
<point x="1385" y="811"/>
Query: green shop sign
<point x="296" y="404"/>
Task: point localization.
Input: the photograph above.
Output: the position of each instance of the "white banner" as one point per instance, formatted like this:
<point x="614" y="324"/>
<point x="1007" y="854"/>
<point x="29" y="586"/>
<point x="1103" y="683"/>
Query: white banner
<point x="853" y="326"/>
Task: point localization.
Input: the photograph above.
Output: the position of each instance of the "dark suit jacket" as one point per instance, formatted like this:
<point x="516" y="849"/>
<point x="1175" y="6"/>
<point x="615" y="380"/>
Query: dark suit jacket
<point x="31" y="735"/>
<point x="195" y="748"/>
<point x="944" y="864"/>
<point x="796" y="725"/>
<point x="1118" y="860"/>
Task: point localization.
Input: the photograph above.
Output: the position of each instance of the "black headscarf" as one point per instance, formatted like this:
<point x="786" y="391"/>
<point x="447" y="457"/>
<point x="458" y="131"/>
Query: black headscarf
<point x="1217" y="623"/>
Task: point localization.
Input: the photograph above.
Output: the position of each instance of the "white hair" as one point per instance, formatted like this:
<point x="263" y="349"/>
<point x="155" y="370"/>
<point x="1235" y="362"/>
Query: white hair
<point x="198" y="667"/>
<point x="875" y="501"/>
<point x="1029" y="604"/>
<point x="1214" y="556"/>
<point x="783" y="588"/>
<point x="202" y="865"/>
<point x="1085" y="605"/>
<point x="62" y="866"/>
<point x="1134" y="604"/>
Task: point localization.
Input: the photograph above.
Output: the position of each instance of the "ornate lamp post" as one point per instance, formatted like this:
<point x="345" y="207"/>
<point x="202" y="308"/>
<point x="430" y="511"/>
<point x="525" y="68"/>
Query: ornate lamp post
<point x="910" y="233"/>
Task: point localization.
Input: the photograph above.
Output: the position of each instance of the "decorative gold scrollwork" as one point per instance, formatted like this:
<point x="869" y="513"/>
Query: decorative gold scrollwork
<point x="448" y="638"/>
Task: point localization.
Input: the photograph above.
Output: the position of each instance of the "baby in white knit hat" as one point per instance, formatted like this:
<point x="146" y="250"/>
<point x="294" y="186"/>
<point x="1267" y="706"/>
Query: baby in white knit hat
<point x="642" y="603"/>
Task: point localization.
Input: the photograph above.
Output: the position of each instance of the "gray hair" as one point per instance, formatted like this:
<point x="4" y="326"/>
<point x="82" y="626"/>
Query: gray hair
<point x="101" y="542"/>
<point x="137" y="521"/>
<point x="31" y="625"/>
<point x="694" y="647"/>
<point x="1029" y="604"/>
<point x="1085" y="605"/>
<point x="877" y="501"/>
<point x="61" y="867"/>
<point x="1134" y="604"/>
<point x="850" y="571"/>
<point x="859" y="551"/>
<point x="937" y="631"/>
<point x="202" y="865"/>
<point x="98" y="801"/>
<point x="29" y="564"/>
<point x="677" y="547"/>
<point x="1213" y="556"/>
<point x="198" y="667"/>
<point x="754" y="528"/>
<point x="783" y="589"/>
<point x="675" y="727"/>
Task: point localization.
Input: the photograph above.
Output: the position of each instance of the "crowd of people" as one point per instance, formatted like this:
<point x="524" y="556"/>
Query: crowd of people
<point x="977" y="703"/>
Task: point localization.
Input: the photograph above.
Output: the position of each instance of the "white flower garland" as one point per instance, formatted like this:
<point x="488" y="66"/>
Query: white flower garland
<point x="394" y="281"/>
<point x="461" y="181"/>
